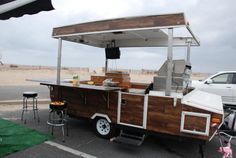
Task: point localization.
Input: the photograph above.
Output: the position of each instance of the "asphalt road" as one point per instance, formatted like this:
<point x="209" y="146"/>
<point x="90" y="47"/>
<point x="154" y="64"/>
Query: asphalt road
<point x="15" y="92"/>
<point x="83" y="140"/>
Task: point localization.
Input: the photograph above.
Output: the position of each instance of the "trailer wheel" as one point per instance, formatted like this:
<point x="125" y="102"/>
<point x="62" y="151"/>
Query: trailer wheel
<point x="103" y="128"/>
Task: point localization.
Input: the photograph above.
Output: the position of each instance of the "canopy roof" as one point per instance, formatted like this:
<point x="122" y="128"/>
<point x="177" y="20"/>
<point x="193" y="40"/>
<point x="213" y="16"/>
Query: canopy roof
<point x="17" y="8"/>
<point x="143" y="31"/>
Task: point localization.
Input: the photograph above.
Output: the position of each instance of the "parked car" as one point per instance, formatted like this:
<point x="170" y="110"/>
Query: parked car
<point x="222" y="83"/>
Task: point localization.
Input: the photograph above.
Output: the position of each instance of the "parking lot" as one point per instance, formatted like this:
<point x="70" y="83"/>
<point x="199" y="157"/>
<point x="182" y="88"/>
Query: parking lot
<point x="82" y="142"/>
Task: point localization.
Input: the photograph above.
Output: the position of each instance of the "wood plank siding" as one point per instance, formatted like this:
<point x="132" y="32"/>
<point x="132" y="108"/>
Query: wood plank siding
<point x="132" y="109"/>
<point x="122" y="24"/>
<point x="123" y="80"/>
<point x="85" y="103"/>
<point x="200" y="125"/>
<point x="162" y="115"/>
<point x="195" y="123"/>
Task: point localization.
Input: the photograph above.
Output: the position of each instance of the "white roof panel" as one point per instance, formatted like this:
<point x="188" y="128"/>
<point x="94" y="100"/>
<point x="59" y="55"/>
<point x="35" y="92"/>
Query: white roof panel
<point x="203" y="100"/>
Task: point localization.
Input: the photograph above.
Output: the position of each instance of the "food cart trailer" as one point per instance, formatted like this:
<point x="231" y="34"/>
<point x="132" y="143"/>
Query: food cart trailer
<point x="167" y="106"/>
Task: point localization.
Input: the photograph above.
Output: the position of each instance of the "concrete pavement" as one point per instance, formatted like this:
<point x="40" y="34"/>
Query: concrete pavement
<point x="10" y="95"/>
<point x="82" y="139"/>
<point x="15" y="92"/>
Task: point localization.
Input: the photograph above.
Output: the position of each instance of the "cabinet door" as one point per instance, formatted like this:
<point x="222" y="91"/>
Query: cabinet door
<point x="132" y="107"/>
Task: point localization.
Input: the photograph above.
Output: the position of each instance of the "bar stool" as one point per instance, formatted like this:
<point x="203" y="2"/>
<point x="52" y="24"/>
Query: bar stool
<point x="57" y="117"/>
<point x="34" y="106"/>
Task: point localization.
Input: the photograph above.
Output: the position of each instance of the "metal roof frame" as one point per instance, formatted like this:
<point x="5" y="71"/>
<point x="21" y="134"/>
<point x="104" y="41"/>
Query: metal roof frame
<point x="130" y="32"/>
<point x="90" y="33"/>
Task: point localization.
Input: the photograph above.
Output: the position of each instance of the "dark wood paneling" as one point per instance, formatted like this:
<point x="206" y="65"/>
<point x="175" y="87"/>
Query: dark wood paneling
<point x="98" y="80"/>
<point x="213" y="115"/>
<point x="85" y="103"/>
<point x="195" y="123"/>
<point x="117" y="74"/>
<point x="163" y="116"/>
<point x="132" y="110"/>
<point x="139" y="85"/>
<point x="122" y="79"/>
<point x="123" y="23"/>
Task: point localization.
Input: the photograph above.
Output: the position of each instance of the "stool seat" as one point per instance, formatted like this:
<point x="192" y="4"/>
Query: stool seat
<point x="57" y="105"/>
<point x="30" y="94"/>
<point x="34" y="104"/>
<point x="57" y="116"/>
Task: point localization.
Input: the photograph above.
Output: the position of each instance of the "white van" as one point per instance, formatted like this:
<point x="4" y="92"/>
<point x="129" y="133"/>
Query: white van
<point x="222" y="83"/>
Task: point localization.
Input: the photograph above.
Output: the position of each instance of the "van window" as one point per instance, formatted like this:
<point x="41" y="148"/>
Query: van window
<point x="223" y="79"/>
<point x="234" y="79"/>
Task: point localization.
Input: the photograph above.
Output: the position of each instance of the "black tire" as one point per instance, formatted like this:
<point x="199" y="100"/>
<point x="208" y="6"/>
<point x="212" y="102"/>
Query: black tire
<point x="103" y="128"/>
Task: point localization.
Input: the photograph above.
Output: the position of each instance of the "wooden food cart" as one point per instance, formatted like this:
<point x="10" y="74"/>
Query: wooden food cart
<point x="167" y="106"/>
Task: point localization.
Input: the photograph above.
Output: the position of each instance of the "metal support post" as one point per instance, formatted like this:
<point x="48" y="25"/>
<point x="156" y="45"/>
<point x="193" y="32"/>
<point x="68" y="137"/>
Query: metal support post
<point x="106" y="65"/>
<point x="169" y="62"/>
<point x="188" y="52"/>
<point x="59" y="61"/>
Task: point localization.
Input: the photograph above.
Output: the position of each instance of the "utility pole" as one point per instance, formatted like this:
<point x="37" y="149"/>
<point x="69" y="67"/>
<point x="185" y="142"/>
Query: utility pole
<point x="0" y="59"/>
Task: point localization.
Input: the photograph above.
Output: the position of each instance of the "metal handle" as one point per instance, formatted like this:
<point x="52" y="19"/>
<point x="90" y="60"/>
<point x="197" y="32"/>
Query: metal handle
<point x="123" y="102"/>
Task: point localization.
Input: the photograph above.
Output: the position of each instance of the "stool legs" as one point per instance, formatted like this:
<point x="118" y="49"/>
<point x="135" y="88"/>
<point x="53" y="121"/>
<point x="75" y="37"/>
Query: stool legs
<point x="63" y="133"/>
<point x="57" y="119"/>
<point x="34" y="108"/>
<point x="24" y="108"/>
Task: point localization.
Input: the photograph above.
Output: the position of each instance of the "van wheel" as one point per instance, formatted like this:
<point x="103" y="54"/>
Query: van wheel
<point x="103" y="128"/>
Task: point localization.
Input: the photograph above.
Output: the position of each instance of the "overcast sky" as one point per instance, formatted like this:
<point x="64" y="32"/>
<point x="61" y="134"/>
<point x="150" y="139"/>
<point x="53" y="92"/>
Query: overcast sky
<point x="27" y="40"/>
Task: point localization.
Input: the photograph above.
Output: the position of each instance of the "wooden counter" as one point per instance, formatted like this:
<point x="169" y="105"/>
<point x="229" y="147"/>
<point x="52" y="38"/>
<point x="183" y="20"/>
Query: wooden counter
<point x="122" y="78"/>
<point x="82" y="86"/>
<point x="81" y="93"/>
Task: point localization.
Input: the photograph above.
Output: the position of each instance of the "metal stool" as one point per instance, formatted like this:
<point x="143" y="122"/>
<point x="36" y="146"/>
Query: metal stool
<point x="57" y="117"/>
<point x="33" y="96"/>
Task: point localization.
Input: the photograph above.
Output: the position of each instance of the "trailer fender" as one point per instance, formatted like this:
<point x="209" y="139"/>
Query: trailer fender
<point x="101" y="115"/>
